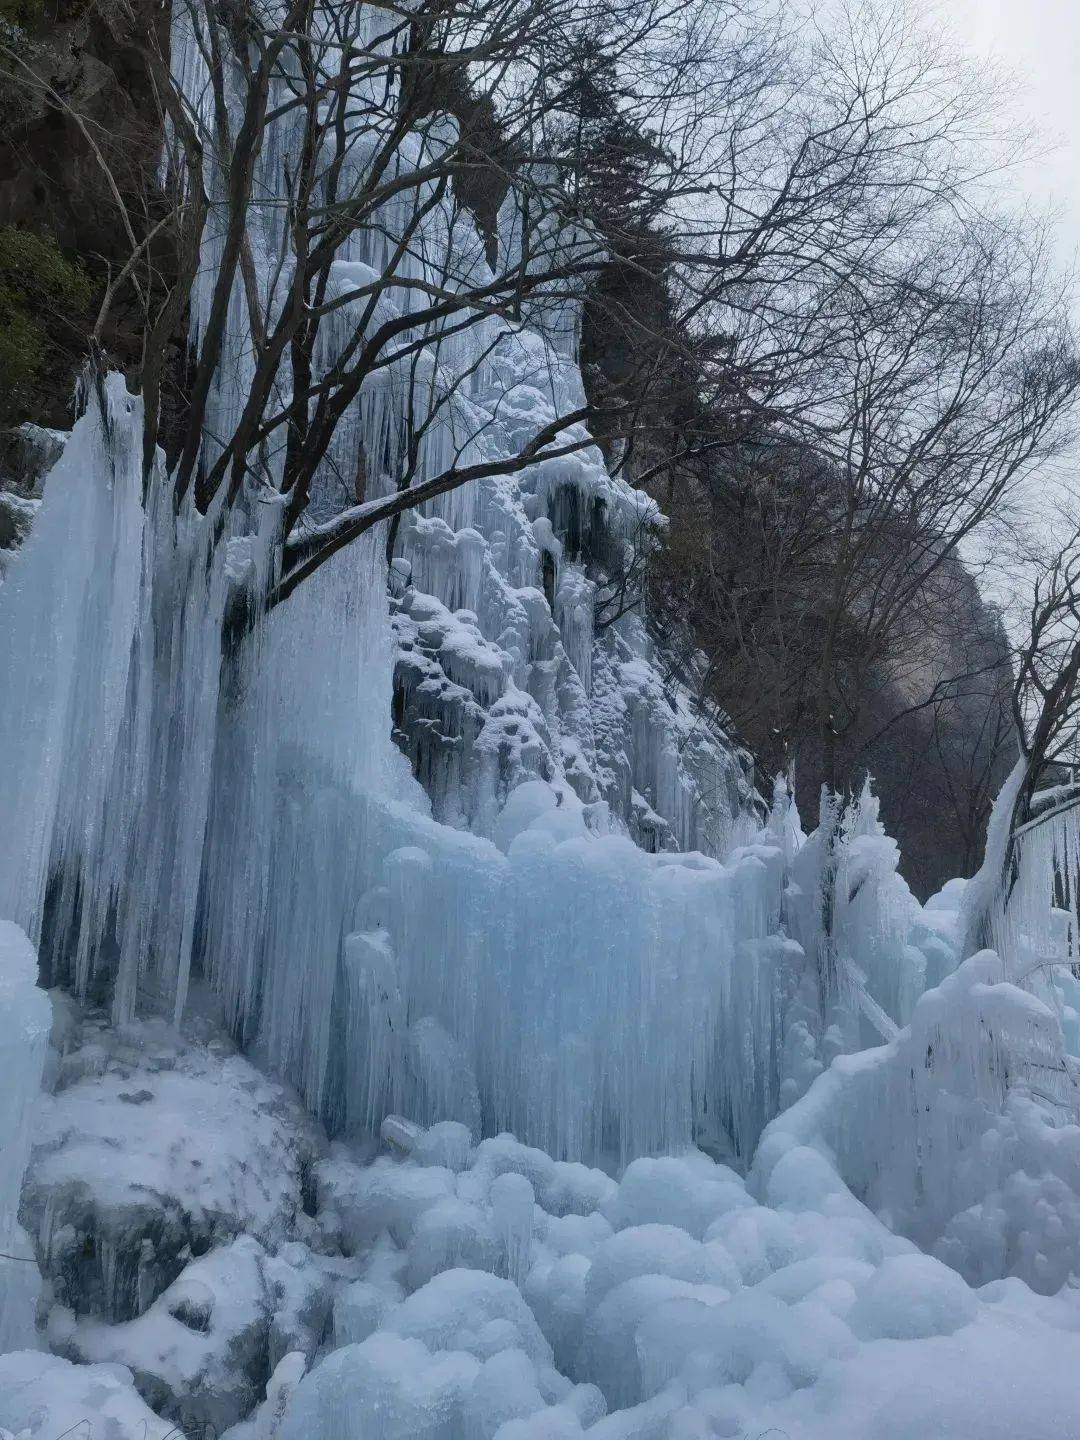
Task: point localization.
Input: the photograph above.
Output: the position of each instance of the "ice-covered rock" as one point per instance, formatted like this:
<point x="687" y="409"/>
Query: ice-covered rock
<point x="203" y="1352"/>
<point x="157" y="1149"/>
<point x="266" y="1422"/>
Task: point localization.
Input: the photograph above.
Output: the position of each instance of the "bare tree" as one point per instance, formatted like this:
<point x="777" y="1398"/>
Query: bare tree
<point x="822" y="569"/>
<point x="374" y="199"/>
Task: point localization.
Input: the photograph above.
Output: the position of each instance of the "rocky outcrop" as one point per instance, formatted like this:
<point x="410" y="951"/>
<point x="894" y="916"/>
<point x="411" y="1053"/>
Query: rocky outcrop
<point x="27" y="453"/>
<point x="79" y="159"/>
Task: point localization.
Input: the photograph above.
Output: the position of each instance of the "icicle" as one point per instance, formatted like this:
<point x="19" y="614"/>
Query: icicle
<point x="984" y="889"/>
<point x="513" y="1205"/>
<point x="25" y="1018"/>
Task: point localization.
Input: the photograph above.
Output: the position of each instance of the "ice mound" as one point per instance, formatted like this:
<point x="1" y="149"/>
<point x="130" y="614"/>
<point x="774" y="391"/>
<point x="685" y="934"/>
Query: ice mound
<point x="995" y="1189"/>
<point x="803" y="1314"/>
<point x="507" y="1295"/>
<point x="911" y="1297"/>
<point x="385" y="1196"/>
<point x="43" y="1397"/>
<point x="358" y="1309"/>
<point x="389" y="1387"/>
<point x="470" y="1311"/>
<point x="669" y="1192"/>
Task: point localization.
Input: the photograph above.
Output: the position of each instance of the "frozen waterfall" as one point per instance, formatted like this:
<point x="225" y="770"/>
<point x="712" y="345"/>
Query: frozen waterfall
<point x="194" y="795"/>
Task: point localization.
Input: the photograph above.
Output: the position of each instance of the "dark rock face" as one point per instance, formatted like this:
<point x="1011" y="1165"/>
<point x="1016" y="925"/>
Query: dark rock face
<point x="938" y="767"/>
<point x="87" y="131"/>
<point x="937" y="735"/>
<point x="27" y="453"/>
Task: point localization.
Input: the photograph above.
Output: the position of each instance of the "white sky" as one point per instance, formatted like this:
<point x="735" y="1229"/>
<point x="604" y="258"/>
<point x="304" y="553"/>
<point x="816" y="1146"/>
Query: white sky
<point x="1038" y="41"/>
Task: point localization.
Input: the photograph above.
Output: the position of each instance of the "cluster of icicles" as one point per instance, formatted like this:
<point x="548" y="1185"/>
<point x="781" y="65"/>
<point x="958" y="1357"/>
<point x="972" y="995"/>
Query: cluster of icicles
<point x="250" y="815"/>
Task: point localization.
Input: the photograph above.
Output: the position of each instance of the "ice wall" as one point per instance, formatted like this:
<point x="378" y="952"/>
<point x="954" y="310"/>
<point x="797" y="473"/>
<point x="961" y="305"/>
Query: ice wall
<point x="561" y="981"/>
<point x="482" y="962"/>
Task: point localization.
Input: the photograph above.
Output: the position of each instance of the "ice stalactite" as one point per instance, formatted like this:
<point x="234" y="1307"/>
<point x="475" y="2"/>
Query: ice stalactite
<point x="112" y="621"/>
<point x="985" y="890"/>
<point x="866" y="941"/>
<point x="67" y="626"/>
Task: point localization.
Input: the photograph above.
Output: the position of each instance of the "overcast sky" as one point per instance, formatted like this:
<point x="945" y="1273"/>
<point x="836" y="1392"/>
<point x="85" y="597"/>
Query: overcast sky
<point x="1039" y="42"/>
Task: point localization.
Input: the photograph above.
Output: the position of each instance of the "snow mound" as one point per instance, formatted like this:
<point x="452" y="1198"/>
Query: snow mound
<point x="791" y="1309"/>
<point x="44" y="1397"/>
<point x="911" y="1297"/>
